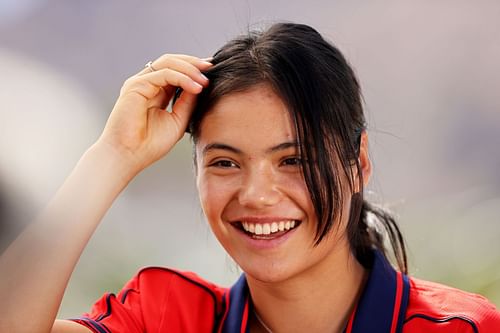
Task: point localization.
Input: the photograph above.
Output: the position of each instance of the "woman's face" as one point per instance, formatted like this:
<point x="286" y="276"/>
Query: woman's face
<point x="252" y="189"/>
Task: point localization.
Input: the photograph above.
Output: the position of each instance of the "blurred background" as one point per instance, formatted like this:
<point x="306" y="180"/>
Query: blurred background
<point x="430" y="75"/>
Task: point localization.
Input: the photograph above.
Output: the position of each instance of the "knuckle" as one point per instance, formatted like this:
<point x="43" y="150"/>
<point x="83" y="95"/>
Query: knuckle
<point x="128" y="82"/>
<point x="187" y="80"/>
<point x="174" y="76"/>
<point x="165" y="58"/>
<point x="134" y="84"/>
<point x="125" y="86"/>
<point x="140" y="85"/>
<point x="175" y="63"/>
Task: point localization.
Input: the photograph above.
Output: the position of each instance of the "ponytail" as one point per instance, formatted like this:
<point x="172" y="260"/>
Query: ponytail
<point x="375" y="229"/>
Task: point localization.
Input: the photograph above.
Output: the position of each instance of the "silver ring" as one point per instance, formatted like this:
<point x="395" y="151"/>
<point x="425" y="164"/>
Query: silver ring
<point x="149" y="66"/>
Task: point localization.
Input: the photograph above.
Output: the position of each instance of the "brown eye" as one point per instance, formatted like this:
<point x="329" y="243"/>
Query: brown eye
<point x="292" y="161"/>
<point x="224" y="164"/>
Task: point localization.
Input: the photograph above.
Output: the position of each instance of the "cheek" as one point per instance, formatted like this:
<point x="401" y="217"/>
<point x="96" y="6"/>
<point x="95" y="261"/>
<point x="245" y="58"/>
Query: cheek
<point x="296" y="189"/>
<point x="215" y="195"/>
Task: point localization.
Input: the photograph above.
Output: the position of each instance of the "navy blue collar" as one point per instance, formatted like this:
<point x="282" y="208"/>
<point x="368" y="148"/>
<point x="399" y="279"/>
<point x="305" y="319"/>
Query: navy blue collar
<point x="381" y="308"/>
<point x="237" y="303"/>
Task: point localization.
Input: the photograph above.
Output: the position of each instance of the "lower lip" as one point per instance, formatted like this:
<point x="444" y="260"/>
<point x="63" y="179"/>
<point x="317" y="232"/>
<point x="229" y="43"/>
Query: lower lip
<point x="266" y="243"/>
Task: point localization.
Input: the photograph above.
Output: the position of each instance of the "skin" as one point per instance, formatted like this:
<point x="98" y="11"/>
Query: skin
<point x="137" y="133"/>
<point x="249" y="169"/>
<point x="293" y="278"/>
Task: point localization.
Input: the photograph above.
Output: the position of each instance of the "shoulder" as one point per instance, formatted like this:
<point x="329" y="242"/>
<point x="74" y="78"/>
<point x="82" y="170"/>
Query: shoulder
<point x="156" y="280"/>
<point x="158" y="299"/>
<point x="433" y="307"/>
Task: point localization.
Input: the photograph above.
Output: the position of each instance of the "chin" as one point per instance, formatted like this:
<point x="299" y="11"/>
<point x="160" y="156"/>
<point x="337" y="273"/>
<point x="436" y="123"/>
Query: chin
<point x="270" y="272"/>
<point x="267" y="277"/>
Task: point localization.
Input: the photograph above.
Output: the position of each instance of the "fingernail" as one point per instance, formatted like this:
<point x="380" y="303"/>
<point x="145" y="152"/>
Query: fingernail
<point x="203" y="77"/>
<point x="197" y="86"/>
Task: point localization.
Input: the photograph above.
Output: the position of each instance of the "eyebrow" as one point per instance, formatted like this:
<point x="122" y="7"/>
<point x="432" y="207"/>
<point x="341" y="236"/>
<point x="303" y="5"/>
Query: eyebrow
<point x="283" y="146"/>
<point x="222" y="146"/>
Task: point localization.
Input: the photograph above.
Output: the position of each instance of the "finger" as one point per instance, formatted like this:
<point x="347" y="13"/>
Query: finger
<point x="187" y="68"/>
<point x="169" y="93"/>
<point x="182" y="66"/>
<point x="195" y="61"/>
<point x="161" y="100"/>
<point x="183" y="108"/>
<point x="165" y="60"/>
<point x="148" y="85"/>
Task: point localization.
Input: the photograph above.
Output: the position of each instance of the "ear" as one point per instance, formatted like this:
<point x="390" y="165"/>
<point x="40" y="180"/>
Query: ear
<point x="364" y="160"/>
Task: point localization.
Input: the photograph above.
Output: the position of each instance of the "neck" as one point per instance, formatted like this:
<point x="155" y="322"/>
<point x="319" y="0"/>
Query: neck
<point x="318" y="300"/>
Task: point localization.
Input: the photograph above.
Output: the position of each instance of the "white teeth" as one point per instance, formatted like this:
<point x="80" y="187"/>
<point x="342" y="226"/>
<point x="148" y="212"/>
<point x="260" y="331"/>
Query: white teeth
<point x="281" y="226"/>
<point x="268" y="228"/>
<point x="287" y="225"/>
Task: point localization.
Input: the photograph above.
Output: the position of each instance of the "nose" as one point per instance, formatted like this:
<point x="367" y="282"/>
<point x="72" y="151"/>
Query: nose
<point x="259" y="188"/>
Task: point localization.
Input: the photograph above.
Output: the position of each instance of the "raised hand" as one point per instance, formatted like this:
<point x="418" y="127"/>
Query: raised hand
<point x="139" y="128"/>
<point x="139" y="131"/>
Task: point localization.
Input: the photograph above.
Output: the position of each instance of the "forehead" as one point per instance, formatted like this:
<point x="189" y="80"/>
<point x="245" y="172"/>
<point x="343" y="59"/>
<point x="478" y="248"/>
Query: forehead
<point x="253" y="116"/>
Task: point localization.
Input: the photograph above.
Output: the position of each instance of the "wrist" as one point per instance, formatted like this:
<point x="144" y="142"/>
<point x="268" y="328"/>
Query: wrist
<point x="111" y="163"/>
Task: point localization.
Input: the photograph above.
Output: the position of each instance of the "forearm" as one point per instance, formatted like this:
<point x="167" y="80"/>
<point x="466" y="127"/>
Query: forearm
<point x="36" y="267"/>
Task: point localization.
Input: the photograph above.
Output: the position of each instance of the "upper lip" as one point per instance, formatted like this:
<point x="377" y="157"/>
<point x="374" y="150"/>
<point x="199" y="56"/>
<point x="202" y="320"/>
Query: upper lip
<point x="262" y="219"/>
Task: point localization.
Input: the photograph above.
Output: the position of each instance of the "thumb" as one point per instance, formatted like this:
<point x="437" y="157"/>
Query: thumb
<point x="183" y="109"/>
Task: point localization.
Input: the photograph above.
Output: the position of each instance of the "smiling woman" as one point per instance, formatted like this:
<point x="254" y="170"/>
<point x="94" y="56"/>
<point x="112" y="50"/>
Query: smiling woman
<point x="250" y="185"/>
<point x="281" y="155"/>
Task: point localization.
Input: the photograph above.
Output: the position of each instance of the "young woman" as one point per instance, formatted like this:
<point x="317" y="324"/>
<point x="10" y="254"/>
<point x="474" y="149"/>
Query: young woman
<point x="281" y="157"/>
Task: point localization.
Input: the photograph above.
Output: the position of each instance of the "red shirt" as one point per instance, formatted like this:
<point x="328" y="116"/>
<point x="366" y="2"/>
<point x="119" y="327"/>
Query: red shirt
<point x="165" y="300"/>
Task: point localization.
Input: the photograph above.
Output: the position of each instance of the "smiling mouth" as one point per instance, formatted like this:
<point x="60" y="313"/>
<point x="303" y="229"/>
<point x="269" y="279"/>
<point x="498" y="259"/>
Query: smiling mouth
<point x="267" y="230"/>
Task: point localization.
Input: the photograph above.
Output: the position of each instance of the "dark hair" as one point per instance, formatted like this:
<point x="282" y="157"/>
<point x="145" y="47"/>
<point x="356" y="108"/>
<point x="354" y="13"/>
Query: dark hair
<point x="324" y="100"/>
